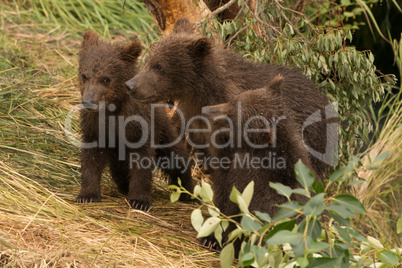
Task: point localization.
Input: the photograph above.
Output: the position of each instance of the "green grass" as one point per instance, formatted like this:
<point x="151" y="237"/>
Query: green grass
<point x="382" y="193"/>
<point x="76" y="16"/>
<point x="40" y="223"/>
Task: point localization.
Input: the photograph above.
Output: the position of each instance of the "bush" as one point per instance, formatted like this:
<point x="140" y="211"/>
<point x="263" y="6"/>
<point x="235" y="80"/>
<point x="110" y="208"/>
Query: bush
<point x="271" y="33"/>
<point x="323" y="236"/>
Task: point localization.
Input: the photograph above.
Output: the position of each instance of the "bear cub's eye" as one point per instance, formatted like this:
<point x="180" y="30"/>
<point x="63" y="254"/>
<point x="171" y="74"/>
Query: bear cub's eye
<point x="158" y="67"/>
<point x="106" y="80"/>
<point x="84" y="77"/>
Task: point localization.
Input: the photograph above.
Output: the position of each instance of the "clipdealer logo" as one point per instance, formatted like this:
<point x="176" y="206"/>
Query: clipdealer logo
<point x="112" y="135"/>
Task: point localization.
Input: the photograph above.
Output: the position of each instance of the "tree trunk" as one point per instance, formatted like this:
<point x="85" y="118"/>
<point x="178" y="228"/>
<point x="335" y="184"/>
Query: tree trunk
<point x="166" y="12"/>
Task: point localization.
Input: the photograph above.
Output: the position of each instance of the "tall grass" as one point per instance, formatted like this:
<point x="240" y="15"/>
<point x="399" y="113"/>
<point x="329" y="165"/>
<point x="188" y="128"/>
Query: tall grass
<point x="381" y="194"/>
<point x="40" y="223"/>
<point x="76" y="16"/>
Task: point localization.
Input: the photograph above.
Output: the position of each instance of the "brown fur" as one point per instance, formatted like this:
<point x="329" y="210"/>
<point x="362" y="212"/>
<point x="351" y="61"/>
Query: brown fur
<point x="191" y="70"/>
<point x="103" y="69"/>
<point x="265" y="102"/>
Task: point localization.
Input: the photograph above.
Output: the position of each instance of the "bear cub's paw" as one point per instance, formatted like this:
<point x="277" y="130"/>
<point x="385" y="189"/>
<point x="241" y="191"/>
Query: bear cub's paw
<point x="87" y="199"/>
<point x="141" y="205"/>
<point x="210" y="242"/>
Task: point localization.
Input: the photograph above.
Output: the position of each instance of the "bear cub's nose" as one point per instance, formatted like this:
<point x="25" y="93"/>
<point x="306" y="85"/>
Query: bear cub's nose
<point x="130" y="84"/>
<point x="89" y="105"/>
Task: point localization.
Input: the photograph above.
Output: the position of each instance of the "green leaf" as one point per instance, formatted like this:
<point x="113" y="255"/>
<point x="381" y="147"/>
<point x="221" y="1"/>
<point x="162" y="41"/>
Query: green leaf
<point x="399" y="226"/>
<point x="218" y="235"/>
<point x="235" y="233"/>
<point x="206" y="192"/>
<point x="227" y="256"/>
<point x="213" y="211"/>
<point x="351" y="203"/>
<point x="197" y="190"/>
<point x="225" y="225"/>
<point x="318" y="246"/>
<point x="283" y="237"/>
<point x="248" y="193"/>
<point x="342" y="233"/>
<point x="356" y="182"/>
<point x="281" y="189"/>
<point x="341" y="210"/>
<point x="263" y="216"/>
<point x="315" y="206"/>
<point x="388" y="257"/>
<point x="325" y="262"/>
<point x="381" y="157"/>
<point x="318" y="187"/>
<point x="337" y="175"/>
<point x="348" y="14"/>
<point x="175" y="196"/>
<point x="234" y="194"/>
<point x="197" y="219"/>
<point x="173" y="187"/>
<point x="249" y="224"/>
<point x="303" y="262"/>
<point x="301" y="191"/>
<point x="303" y="175"/>
<point x="301" y="246"/>
<point x="356" y="235"/>
<point x="338" y="218"/>
<point x="242" y="204"/>
<point x="375" y="243"/>
<point x="288" y="225"/>
<point x="209" y="227"/>
<point x="373" y="167"/>
<point x="247" y="259"/>
<point x="284" y="213"/>
<point x="262" y="257"/>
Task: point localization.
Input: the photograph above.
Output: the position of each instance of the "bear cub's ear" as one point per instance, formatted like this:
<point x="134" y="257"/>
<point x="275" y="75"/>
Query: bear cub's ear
<point x="131" y="51"/>
<point x="276" y="85"/>
<point x="200" y="47"/>
<point x="183" y="25"/>
<point x="215" y="110"/>
<point x="90" y="38"/>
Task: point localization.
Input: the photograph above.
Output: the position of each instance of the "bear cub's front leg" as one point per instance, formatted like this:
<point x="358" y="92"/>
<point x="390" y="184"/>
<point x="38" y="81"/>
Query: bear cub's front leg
<point x="92" y="166"/>
<point x="139" y="194"/>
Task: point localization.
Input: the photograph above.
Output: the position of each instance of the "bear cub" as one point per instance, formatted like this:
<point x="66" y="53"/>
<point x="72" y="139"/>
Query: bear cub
<point x="116" y="131"/>
<point x="194" y="72"/>
<point x="265" y="150"/>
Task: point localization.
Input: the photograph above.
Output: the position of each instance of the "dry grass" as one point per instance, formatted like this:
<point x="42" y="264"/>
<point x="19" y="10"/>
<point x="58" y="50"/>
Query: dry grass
<point x="381" y="195"/>
<point x="40" y="224"/>
<point x="46" y="228"/>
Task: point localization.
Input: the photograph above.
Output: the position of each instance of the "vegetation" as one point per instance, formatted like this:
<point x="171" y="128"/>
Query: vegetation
<point x="273" y="34"/>
<point x="39" y="169"/>
<point x="40" y="223"/>
<point x="270" y="32"/>
<point x="323" y="235"/>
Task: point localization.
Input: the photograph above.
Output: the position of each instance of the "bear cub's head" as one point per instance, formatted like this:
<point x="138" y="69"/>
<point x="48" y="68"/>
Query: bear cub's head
<point x="103" y="69"/>
<point x="250" y="119"/>
<point x="174" y="67"/>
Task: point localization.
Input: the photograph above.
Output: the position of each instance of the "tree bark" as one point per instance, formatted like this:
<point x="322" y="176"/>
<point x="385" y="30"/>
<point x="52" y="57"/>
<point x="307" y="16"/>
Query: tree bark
<point x="166" y="12"/>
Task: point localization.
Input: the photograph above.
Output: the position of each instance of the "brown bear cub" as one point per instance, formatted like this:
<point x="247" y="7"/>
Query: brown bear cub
<point x="265" y="150"/>
<point x="120" y="133"/>
<point x="189" y="69"/>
